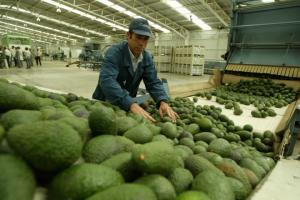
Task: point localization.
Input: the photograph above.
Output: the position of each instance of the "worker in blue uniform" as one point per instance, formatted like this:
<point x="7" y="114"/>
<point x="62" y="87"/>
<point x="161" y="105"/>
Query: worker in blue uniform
<point x="124" y="66"/>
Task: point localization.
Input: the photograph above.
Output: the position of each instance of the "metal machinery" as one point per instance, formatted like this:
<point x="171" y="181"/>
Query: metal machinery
<point x="90" y="57"/>
<point x="264" y="42"/>
<point x="292" y="134"/>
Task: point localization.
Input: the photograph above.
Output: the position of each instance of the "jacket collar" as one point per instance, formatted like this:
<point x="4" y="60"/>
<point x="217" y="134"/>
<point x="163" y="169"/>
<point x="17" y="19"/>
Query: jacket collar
<point x="133" y="58"/>
<point x="127" y="59"/>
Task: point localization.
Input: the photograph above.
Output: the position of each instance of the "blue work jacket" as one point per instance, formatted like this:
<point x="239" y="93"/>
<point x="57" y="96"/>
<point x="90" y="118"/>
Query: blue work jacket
<point x="118" y="83"/>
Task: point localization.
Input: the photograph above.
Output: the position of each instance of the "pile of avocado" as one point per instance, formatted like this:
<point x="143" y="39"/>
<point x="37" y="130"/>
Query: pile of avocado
<point x="80" y="149"/>
<point x="261" y="93"/>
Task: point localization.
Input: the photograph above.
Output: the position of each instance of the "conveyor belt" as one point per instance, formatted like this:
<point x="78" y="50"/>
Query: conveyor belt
<point x="259" y="124"/>
<point x="280" y="71"/>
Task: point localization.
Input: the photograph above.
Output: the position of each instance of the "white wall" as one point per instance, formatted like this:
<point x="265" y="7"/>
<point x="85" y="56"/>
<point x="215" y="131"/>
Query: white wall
<point x="215" y="42"/>
<point x="75" y="50"/>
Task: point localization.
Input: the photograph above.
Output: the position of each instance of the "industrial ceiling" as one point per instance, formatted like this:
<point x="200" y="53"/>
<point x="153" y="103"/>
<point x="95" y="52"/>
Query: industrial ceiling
<point x="79" y="20"/>
<point x="83" y="19"/>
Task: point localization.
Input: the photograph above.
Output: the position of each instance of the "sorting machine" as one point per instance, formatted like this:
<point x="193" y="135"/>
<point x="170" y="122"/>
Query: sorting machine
<point x="90" y="57"/>
<point x="264" y="42"/>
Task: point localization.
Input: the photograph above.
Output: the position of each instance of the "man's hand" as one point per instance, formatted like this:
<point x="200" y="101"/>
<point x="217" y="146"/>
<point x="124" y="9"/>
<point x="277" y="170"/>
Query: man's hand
<point x="135" y="108"/>
<point x="165" y="108"/>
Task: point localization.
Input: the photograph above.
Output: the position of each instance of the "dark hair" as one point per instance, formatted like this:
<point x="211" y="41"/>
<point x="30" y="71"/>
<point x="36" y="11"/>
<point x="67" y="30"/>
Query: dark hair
<point x="130" y="34"/>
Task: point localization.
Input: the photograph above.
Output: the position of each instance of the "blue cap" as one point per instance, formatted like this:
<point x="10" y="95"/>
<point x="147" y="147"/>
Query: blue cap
<point x="140" y="26"/>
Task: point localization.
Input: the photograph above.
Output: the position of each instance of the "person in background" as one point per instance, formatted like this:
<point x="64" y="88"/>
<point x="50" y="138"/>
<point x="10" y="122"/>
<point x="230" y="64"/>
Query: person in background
<point x="7" y="56"/>
<point x="2" y="58"/>
<point x="27" y="57"/>
<point x="18" y="57"/>
<point x="125" y="65"/>
<point x="31" y="57"/>
<point x="13" y="56"/>
<point x="38" y="56"/>
<point x="62" y="55"/>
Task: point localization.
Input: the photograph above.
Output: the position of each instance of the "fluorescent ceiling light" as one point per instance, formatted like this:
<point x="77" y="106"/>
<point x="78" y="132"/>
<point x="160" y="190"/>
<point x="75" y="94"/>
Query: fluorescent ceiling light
<point x="44" y="27"/>
<point x="183" y="11"/>
<point x="187" y="14"/>
<point x="2" y="33"/>
<point x="81" y="13"/>
<point x="106" y="2"/>
<point x="267" y="1"/>
<point x="36" y="40"/>
<point x="164" y="30"/>
<point x="53" y="20"/>
<point x="118" y="8"/>
<point x="200" y="23"/>
<point x="31" y="34"/>
<point x="131" y="14"/>
<point x="173" y="4"/>
<point x="37" y="31"/>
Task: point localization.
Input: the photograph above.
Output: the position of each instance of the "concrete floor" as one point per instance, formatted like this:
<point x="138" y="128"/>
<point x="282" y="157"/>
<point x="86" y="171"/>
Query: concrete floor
<point x="54" y="75"/>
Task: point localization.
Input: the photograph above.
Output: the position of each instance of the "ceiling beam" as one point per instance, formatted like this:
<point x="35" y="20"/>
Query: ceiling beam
<point x="217" y="11"/>
<point x="31" y="34"/>
<point x="55" y="22"/>
<point x="34" y="30"/>
<point x="144" y="11"/>
<point x="93" y="13"/>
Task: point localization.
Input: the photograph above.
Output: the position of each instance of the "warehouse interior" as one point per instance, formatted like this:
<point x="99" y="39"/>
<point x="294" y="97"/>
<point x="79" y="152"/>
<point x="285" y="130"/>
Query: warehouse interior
<point x="230" y="69"/>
